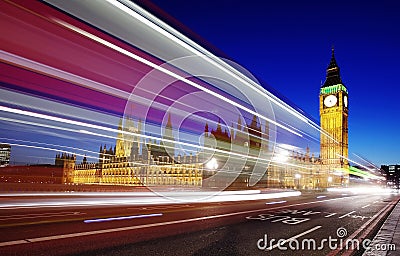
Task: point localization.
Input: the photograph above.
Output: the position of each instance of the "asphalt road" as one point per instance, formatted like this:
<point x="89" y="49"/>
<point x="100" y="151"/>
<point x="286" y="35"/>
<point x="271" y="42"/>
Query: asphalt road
<point x="311" y="224"/>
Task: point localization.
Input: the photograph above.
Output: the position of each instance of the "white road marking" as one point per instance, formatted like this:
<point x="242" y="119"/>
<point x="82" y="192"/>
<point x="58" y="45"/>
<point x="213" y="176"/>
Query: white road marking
<point x="347" y="214"/>
<point x="14" y="242"/>
<point x="124" y="218"/>
<point x="105" y="231"/>
<point x="294" y="237"/>
<point x="329" y="215"/>
<point x="277" y="202"/>
<point x="365" y="206"/>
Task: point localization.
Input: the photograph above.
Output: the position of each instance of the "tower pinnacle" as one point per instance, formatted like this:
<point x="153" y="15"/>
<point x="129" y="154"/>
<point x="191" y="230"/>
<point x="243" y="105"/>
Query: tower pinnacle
<point x="332" y="72"/>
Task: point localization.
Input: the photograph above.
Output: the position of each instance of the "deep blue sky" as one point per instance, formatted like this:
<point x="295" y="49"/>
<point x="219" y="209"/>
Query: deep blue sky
<point x="287" y="44"/>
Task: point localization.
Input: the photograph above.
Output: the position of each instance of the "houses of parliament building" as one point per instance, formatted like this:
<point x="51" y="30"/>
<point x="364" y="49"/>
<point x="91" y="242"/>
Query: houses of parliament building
<point x="134" y="161"/>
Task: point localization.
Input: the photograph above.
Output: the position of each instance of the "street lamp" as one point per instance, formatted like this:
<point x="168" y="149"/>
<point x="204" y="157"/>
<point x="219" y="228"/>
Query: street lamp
<point x="297" y="177"/>
<point x="212" y="164"/>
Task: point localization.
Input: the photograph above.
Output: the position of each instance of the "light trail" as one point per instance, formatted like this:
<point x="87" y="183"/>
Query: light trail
<point x="76" y="79"/>
<point x="146" y="198"/>
<point x="41" y="68"/>
<point x="100" y="135"/>
<point x="362" y="158"/>
<point x="61" y="74"/>
<point x="188" y="44"/>
<point x="31" y="102"/>
<point x="170" y="73"/>
<point x="354" y="162"/>
<point x="78" y="123"/>
<point x="126" y="228"/>
<point x="51" y="149"/>
<point x="362" y="190"/>
<point x="52" y="145"/>
<point x="54" y="127"/>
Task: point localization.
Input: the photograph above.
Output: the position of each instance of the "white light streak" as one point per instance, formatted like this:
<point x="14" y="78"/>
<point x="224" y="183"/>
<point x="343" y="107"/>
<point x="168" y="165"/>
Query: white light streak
<point x="376" y="167"/>
<point x="362" y="190"/>
<point x="51" y="149"/>
<point x="277" y="202"/>
<point x="170" y="73"/>
<point x="78" y="123"/>
<point x="124" y="218"/>
<point x="354" y="162"/>
<point x="162" y="28"/>
<point x="61" y="74"/>
<point x="196" y="49"/>
<point x="141" y="198"/>
<point x="52" y="145"/>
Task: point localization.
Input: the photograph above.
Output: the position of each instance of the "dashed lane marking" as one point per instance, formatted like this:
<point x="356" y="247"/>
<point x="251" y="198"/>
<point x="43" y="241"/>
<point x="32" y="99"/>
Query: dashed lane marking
<point x="347" y="214"/>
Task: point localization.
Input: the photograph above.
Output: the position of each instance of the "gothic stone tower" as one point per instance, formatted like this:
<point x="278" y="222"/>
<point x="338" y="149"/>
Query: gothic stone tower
<point x="333" y="109"/>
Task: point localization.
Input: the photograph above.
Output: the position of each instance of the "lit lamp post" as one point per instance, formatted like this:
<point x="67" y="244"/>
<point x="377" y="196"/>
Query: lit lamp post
<point x="297" y="177"/>
<point x="282" y="157"/>
<point x="212" y="166"/>
<point x="329" y="181"/>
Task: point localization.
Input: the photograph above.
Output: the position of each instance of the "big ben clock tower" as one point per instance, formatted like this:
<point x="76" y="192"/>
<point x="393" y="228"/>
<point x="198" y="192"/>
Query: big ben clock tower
<point x="333" y="109"/>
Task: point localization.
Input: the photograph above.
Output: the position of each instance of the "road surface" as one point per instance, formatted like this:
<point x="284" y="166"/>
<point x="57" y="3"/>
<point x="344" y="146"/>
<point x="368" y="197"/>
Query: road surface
<point x="311" y="224"/>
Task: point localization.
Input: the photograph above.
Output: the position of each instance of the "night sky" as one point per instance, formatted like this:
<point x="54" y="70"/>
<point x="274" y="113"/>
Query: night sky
<point x="287" y="45"/>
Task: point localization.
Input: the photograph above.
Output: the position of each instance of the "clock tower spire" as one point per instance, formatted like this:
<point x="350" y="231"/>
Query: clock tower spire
<point x="333" y="108"/>
<point x="332" y="72"/>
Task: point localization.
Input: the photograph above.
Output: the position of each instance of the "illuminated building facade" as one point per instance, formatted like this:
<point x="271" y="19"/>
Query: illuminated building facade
<point x="136" y="162"/>
<point x="149" y="163"/>
<point x="5" y="152"/>
<point x="333" y="106"/>
<point x="244" y="139"/>
<point x="392" y="173"/>
<point x="299" y="171"/>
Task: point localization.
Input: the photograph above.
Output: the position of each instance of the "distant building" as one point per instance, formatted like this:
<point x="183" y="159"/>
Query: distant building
<point x="33" y="174"/>
<point x="392" y="174"/>
<point x="67" y="163"/>
<point x="5" y="153"/>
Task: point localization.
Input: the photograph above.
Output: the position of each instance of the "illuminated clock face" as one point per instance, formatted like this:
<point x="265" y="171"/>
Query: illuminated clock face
<point x="330" y="101"/>
<point x="345" y="101"/>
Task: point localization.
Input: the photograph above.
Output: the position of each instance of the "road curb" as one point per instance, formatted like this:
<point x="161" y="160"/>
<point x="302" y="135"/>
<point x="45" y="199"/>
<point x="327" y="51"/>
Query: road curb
<point x="370" y="227"/>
